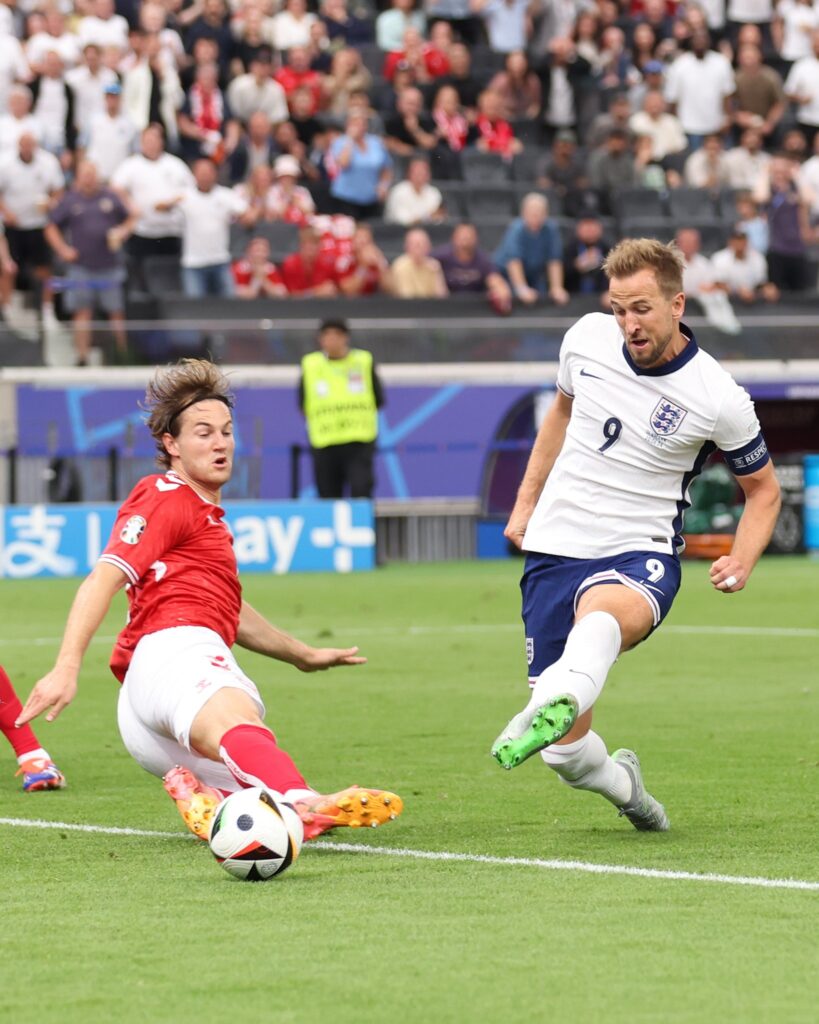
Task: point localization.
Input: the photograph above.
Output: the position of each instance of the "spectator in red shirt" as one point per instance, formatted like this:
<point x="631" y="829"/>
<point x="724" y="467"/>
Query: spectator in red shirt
<point x="310" y="272"/>
<point x="297" y="73"/>
<point x="495" y="133"/>
<point x="256" y="277"/>
<point x="368" y="270"/>
<point x="426" y="61"/>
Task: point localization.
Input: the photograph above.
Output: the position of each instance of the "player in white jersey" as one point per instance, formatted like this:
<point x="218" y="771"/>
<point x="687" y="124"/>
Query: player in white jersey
<point x="639" y="408"/>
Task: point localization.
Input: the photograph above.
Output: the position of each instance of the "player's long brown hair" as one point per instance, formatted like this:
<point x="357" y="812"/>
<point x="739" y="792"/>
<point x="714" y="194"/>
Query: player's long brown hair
<point x="635" y="254"/>
<point x="175" y="388"/>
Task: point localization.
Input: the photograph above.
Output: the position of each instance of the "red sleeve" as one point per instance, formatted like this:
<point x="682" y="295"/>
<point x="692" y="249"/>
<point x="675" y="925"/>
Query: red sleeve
<point x="436" y="63"/>
<point x="273" y="275"/>
<point x="241" y="272"/>
<point x="153" y="519"/>
<point x="390" y="63"/>
<point x="292" y="274"/>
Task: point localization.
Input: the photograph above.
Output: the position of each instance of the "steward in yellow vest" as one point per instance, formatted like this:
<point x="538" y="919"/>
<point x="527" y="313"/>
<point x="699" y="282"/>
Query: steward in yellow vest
<point x="340" y="394"/>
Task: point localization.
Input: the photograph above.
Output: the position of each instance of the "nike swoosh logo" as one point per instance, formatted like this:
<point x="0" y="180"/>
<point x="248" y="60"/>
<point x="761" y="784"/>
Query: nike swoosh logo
<point x="585" y="373"/>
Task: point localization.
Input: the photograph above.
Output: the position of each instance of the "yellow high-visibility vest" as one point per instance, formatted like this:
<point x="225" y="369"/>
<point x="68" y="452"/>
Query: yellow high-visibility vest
<point x="339" y="400"/>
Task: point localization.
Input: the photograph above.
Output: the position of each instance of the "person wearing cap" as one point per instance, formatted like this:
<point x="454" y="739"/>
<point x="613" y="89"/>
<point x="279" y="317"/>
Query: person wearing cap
<point x="257" y="91"/>
<point x="742" y="271"/>
<point x="340" y="394"/>
<point x="287" y="200"/>
<point x="112" y="136"/>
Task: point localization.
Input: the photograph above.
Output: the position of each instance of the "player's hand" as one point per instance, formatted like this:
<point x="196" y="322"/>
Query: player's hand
<point x="728" y="574"/>
<point x="54" y="692"/>
<point x="318" y="659"/>
<point x="516" y="527"/>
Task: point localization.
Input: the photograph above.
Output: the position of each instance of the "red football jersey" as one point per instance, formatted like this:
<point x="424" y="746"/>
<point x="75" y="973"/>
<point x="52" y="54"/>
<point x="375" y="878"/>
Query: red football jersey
<point x="177" y="553"/>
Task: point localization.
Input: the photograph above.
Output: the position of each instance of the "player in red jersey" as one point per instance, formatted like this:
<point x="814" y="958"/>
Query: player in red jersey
<point x="38" y="770"/>
<point x="187" y="712"/>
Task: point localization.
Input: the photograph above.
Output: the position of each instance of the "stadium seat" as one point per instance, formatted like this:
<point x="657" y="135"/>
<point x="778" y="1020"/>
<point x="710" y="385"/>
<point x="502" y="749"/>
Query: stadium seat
<point x="162" y="275"/>
<point x="687" y="203"/>
<point x="372" y="57"/>
<point x="455" y="194"/>
<point x="525" y="165"/>
<point x="530" y="132"/>
<point x="485" y="168"/>
<point x="491" y="231"/>
<point x="389" y="237"/>
<point x="555" y="202"/>
<point x="658" y="227"/>
<point x="713" y="234"/>
<point x="637" y="202"/>
<point x="727" y="202"/>
<point x="491" y="201"/>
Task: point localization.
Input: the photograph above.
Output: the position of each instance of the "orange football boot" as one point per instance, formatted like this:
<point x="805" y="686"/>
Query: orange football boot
<point x="195" y="801"/>
<point x="352" y="808"/>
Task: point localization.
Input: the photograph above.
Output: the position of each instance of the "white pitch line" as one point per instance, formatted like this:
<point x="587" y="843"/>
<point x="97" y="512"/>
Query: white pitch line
<point x="580" y="866"/>
<point x="794" y="632"/>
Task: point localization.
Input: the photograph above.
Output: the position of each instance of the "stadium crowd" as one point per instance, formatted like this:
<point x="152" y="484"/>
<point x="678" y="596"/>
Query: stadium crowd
<point x="418" y="149"/>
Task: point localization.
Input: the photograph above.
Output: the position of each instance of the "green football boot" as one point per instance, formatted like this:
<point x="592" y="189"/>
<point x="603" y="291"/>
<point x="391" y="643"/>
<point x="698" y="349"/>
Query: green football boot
<point x="644" y="812"/>
<point x="531" y="731"/>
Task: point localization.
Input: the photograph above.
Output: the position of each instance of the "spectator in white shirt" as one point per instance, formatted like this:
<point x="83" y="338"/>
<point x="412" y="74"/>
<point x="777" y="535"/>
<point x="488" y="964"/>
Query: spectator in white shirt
<point x="208" y="210"/>
<point x="793" y="24"/>
<point x="257" y="91"/>
<point x="664" y="129"/>
<point x="700" y="284"/>
<point x="747" y="161"/>
<point x="30" y="181"/>
<point x="54" y="37"/>
<point x="105" y="27"/>
<point x="13" y="65"/>
<point x="18" y="120"/>
<point x="743" y="271"/>
<point x="706" y="168"/>
<point x="53" y="109"/>
<point x="808" y="179"/>
<point x="698" y="87"/>
<point x="145" y="180"/>
<point x="414" y="200"/>
<point x="112" y="136"/>
<point x="390" y="25"/>
<point x="802" y="88"/>
<point x="291" y="27"/>
<point x="153" y="19"/>
<point x="88" y="82"/>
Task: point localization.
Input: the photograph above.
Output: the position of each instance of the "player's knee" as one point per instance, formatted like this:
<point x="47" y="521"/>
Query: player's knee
<point x="227" y="709"/>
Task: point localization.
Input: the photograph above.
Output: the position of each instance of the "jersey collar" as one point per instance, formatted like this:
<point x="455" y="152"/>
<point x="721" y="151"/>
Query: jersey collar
<point x="675" y="364"/>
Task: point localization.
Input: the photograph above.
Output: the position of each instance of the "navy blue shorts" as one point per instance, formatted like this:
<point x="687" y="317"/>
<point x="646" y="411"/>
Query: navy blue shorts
<point x="552" y="586"/>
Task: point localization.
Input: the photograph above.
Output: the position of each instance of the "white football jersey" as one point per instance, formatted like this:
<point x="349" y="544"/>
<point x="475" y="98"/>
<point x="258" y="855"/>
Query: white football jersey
<point x="635" y="441"/>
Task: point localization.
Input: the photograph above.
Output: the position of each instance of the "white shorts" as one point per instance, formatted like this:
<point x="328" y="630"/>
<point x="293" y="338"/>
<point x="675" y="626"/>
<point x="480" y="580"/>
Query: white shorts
<point x="172" y="675"/>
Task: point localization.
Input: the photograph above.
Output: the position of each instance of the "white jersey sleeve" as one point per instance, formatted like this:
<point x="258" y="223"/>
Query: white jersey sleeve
<point x="737" y="433"/>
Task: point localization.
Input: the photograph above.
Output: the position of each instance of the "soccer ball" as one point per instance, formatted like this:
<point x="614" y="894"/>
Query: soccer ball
<point x="255" y="835"/>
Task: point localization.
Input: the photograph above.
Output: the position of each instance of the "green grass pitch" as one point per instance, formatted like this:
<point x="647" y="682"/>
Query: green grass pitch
<point x="107" y="927"/>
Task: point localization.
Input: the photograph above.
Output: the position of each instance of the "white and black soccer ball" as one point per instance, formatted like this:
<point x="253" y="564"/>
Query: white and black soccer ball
<point x="255" y="835"/>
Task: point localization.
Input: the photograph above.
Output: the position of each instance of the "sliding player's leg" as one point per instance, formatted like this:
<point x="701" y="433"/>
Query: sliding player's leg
<point x="229" y="726"/>
<point x="35" y="765"/>
<point x="197" y="699"/>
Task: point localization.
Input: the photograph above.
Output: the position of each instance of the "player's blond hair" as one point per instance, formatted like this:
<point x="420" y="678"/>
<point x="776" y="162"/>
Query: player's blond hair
<point x="635" y="254"/>
<point x="173" y="389"/>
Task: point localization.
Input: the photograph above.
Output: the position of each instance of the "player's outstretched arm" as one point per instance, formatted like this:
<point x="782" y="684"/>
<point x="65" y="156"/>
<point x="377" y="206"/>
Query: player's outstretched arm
<point x="257" y="634"/>
<point x="762" y="502"/>
<point x="93" y="599"/>
<point x="545" y="450"/>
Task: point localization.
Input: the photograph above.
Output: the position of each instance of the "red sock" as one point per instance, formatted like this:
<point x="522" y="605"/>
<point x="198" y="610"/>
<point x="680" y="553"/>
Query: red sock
<point x="254" y="759"/>
<point x="23" y="739"/>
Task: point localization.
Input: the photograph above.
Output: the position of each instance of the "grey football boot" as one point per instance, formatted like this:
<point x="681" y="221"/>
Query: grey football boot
<point x="644" y="812"/>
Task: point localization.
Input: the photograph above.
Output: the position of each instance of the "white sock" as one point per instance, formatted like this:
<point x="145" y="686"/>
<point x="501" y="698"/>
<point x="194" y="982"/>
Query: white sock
<point x="292" y="795"/>
<point x="591" y="649"/>
<point x="585" y="764"/>
<point x="34" y="755"/>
